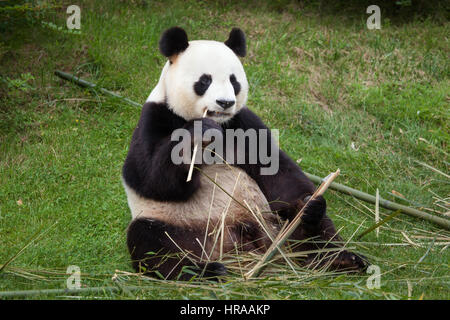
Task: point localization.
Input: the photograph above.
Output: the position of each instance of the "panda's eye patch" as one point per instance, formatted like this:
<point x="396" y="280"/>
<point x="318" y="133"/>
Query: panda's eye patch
<point x="236" y="85"/>
<point x="202" y="84"/>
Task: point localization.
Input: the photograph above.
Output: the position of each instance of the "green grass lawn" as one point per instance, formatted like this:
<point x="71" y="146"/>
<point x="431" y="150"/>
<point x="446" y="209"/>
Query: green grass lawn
<point x="370" y="102"/>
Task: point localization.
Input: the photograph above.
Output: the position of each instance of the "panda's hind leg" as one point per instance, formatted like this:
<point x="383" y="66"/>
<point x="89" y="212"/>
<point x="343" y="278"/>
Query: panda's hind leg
<point x="155" y="246"/>
<point x="339" y="260"/>
<point x="323" y="235"/>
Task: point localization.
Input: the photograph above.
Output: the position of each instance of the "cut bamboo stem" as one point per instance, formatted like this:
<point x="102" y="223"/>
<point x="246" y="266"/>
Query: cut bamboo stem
<point x="86" y="84"/>
<point x="194" y="154"/>
<point x="442" y="222"/>
<point x="286" y="233"/>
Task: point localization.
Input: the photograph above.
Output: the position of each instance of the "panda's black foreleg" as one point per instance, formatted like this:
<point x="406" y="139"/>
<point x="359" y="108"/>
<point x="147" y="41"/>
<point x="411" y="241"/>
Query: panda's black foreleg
<point x="157" y="163"/>
<point x="155" y="246"/>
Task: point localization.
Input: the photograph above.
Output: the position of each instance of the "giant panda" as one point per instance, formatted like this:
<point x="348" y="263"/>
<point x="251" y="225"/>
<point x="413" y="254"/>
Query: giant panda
<point x="179" y="225"/>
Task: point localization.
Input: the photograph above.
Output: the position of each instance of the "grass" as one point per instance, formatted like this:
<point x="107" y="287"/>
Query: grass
<point x="371" y="103"/>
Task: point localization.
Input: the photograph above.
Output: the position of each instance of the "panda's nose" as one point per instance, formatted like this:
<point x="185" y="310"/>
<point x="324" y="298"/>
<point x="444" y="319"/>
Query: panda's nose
<point x="225" y="103"/>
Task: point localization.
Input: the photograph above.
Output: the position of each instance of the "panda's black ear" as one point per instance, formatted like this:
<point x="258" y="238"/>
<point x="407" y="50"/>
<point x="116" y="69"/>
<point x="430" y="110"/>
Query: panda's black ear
<point x="236" y="42"/>
<point x="173" y="41"/>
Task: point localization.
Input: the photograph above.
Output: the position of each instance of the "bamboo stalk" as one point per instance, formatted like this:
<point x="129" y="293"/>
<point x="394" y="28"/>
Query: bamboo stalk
<point x="286" y="233"/>
<point x="442" y="222"/>
<point x="377" y="210"/>
<point x="27" y="293"/>
<point x="432" y="168"/>
<point x="86" y="84"/>
<point x="194" y="154"/>
<point x="66" y="291"/>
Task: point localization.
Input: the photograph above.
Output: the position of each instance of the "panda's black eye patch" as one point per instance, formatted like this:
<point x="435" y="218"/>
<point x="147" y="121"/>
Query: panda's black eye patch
<point x="202" y="84"/>
<point x="236" y="85"/>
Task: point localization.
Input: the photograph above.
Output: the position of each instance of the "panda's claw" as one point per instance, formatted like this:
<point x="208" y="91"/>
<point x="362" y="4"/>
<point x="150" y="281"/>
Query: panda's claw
<point x="345" y="261"/>
<point x="349" y="262"/>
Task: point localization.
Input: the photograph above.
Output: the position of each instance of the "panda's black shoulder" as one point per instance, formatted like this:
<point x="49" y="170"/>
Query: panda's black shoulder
<point x="156" y="122"/>
<point x="245" y="119"/>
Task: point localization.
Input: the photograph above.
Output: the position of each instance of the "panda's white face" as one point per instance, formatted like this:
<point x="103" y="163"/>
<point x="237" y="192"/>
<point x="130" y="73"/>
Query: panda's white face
<point x="207" y="76"/>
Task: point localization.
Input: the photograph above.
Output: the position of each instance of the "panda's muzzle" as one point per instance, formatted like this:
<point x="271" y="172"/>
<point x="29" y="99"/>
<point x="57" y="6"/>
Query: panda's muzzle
<point x="225" y="104"/>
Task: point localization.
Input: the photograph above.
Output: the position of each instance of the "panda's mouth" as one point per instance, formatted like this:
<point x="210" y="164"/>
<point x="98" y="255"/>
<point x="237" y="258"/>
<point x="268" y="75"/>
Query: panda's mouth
<point x="217" y="114"/>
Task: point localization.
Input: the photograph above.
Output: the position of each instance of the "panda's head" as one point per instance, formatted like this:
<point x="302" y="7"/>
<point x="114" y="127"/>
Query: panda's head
<point x="202" y="75"/>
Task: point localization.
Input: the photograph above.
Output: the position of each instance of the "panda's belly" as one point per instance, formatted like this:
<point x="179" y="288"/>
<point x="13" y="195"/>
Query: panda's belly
<point x="211" y="203"/>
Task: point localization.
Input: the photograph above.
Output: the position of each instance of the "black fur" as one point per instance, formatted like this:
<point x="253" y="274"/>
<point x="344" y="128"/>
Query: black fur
<point x="148" y="168"/>
<point x="173" y="41"/>
<point x="153" y="252"/>
<point x="202" y="84"/>
<point x="236" y="42"/>
<point x="236" y="85"/>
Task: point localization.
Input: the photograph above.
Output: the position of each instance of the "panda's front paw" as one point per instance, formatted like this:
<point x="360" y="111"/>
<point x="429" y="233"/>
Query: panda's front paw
<point x="315" y="211"/>
<point x="210" y="130"/>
